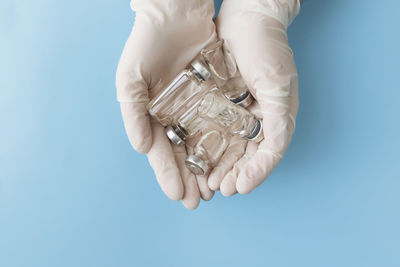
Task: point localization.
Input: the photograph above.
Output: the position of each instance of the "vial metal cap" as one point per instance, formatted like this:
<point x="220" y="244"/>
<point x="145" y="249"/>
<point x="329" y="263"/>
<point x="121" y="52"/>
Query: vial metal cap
<point x="175" y="135"/>
<point x="200" y="70"/>
<point x="243" y="100"/>
<point x="256" y="133"/>
<point x="196" y="165"/>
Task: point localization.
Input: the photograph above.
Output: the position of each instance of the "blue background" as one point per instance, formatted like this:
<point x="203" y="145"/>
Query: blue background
<point x="74" y="193"/>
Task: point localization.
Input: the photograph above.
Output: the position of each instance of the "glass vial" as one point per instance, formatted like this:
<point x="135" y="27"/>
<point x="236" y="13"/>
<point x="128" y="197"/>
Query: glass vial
<point x="185" y="90"/>
<point x="233" y="118"/>
<point x="226" y="74"/>
<point x="187" y="125"/>
<point x="207" y="152"/>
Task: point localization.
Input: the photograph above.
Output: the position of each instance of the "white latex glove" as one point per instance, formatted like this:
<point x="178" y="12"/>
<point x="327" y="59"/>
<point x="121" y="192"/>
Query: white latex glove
<point x="256" y="33"/>
<point x="167" y="34"/>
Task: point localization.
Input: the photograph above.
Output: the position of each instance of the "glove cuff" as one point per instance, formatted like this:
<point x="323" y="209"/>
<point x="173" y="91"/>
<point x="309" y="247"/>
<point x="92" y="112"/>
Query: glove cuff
<point x="166" y="9"/>
<point x="282" y="10"/>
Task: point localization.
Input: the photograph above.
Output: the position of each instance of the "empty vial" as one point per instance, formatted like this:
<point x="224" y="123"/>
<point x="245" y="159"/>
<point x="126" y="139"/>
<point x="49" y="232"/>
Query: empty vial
<point x="187" y="125"/>
<point x="214" y="109"/>
<point x="233" y="118"/>
<point x="225" y="72"/>
<point x="207" y="152"/>
<point x="185" y="90"/>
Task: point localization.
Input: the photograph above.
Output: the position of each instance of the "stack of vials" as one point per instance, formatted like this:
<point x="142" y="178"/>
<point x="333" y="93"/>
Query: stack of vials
<point x="204" y="106"/>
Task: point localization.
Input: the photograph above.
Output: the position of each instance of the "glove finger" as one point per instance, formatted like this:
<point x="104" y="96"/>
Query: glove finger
<point x="205" y="192"/>
<point x="137" y="125"/>
<point x="232" y="154"/>
<point x="162" y="160"/>
<point x="268" y="154"/>
<point x="191" y="195"/>
<point x="279" y="115"/>
<point x="256" y="170"/>
<point x="132" y="92"/>
<point x="228" y="185"/>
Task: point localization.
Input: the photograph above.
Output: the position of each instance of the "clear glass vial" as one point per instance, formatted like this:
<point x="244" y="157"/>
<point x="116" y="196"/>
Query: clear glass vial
<point x="207" y="152"/>
<point x="225" y="72"/>
<point x="187" y="125"/>
<point x="233" y="118"/>
<point x="215" y="109"/>
<point x="181" y="94"/>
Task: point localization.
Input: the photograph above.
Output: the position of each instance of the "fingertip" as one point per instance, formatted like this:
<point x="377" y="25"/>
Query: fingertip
<point x="227" y="193"/>
<point x="171" y="183"/>
<point x="142" y="146"/>
<point x="213" y="183"/>
<point x="205" y="192"/>
<point x="228" y="187"/>
<point x="249" y="178"/>
<point x="191" y="203"/>
<point x="140" y="142"/>
<point x="243" y="187"/>
<point x="174" y="190"/>
<point x="207" y="196"/>
<point x="256" y="170"/>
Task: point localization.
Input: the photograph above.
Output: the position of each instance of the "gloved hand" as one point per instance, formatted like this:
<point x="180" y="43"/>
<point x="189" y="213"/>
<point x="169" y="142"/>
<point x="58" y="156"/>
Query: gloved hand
<point x="167" y="34"/>
<point x="256" y="33"/>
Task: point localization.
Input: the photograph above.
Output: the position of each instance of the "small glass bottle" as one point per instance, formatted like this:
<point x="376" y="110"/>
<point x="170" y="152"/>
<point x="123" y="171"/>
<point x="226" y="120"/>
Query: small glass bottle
<point x="185" y="90"/>
<point x="233" y="118"/>
<point x="187" y="125"/>
<point x="226" y="74"/>
<point x="215" y="109"/>
<point x="207" y="152"/>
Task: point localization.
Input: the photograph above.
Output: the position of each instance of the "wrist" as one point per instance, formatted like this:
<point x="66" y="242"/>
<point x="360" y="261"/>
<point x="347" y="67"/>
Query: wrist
<point x="174" y="8"/>
<point x="282" y="10"/>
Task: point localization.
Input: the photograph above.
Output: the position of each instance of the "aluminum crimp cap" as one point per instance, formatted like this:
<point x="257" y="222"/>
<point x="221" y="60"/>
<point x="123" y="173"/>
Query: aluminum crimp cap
<point x="175" y="135"/>
<point x="200" y="70"/>
<point x="196" y="165"/>
<point x="243" y="100"/>
<point x="256" y="134"/>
